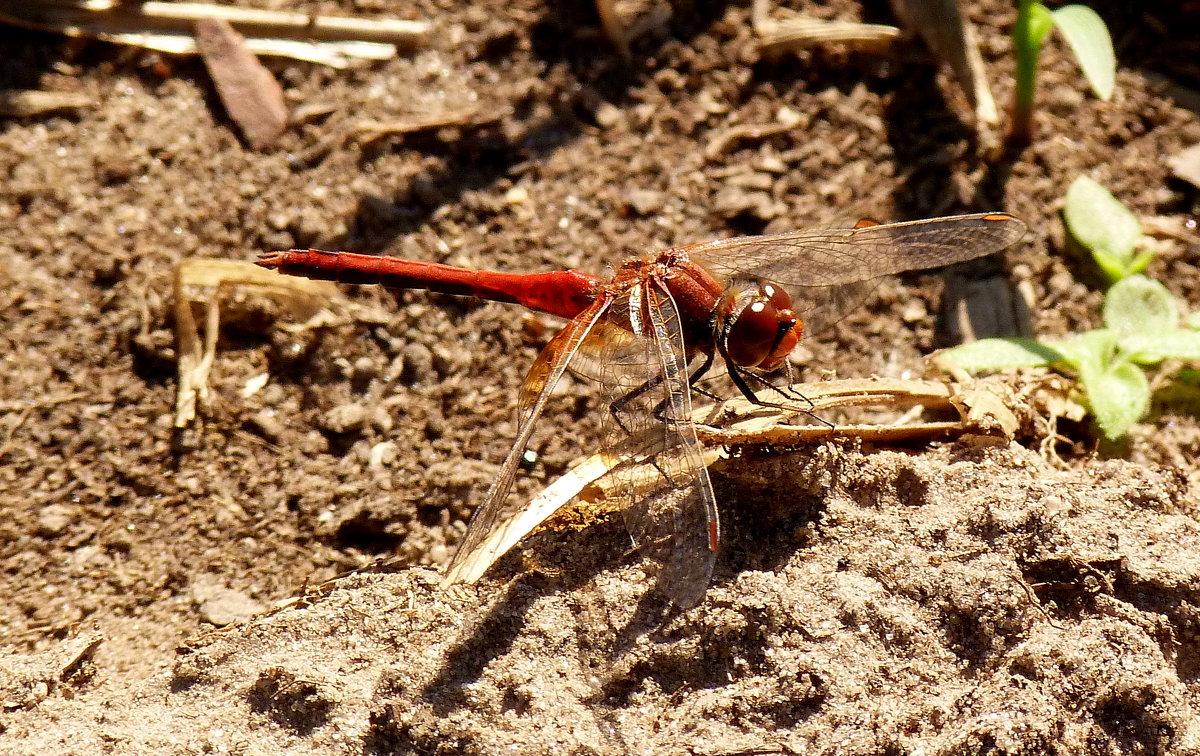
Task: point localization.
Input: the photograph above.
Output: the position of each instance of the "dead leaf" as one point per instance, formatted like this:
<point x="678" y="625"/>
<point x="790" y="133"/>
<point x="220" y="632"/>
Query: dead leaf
<point x="251" y="95"/>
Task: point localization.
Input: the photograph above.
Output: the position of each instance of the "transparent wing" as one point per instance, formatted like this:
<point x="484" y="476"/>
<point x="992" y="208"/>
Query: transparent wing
<point x="829" y="272"/>
<point x="642" y="367"/>
<point x="607" y="342"/>
<point x="486" y="532"/>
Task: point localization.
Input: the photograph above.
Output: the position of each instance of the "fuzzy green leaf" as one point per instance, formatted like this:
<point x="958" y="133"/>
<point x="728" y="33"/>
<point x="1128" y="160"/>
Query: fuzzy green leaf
<point x="1149" y="348"/>
<point x="1089" y="39"/>
<point x="1099" y="222"/>
<point x="997" y="354"/>
<point x="1041" y="21"/>
<point x="1140" y="261"/>
<point x="1088" y="351"/>
<point x="1119" y="396"/>
<point x="1140" y="306"/>
<point x="1114" y="267"/>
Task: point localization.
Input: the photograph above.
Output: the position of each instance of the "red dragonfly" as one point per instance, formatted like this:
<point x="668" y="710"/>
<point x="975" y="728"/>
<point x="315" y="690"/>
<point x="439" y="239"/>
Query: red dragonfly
<point x="649" y="332"/>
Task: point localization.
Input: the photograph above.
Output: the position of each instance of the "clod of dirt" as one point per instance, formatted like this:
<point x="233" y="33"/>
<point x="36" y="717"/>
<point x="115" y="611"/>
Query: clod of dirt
<point x="267" y="425"/>
<point x="54" y="519"/>
<point x="345" y="419"/>
<point x="222" y="606"/>
<point x="27" y="681"/>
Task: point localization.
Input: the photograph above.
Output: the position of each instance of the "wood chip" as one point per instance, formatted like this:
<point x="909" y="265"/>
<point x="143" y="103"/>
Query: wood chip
<point x="1186" y="165"/>
<point x="250" y="94"/>
<point x="23" y="103"/>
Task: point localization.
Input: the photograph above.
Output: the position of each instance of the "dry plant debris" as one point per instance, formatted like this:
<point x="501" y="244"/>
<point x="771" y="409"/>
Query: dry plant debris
<point x="1186" y="165"/>
<point x="626" y="20"/>
<point x="801" y="32"/>
<point x="202" y="281"/>
<point x="939" y="23"/>
<point x="367" y="131"/>
<point x="168" y="27"/>
<point x="740" y="423"/>
<point x="23" y="103"/>
<point x="250" y="94"/>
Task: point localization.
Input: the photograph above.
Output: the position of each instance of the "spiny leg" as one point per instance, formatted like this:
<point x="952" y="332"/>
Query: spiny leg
<point x="739" y="376"/>
<point x="659" y="410"/>
<point x="658" y="413"/>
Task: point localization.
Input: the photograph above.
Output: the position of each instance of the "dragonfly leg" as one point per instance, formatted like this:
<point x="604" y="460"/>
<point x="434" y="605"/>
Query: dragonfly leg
<point x="694" y="378"/>
<point x="739" y="377"/>
<point x="659" y="411"/>
<point x="618" y="407"/>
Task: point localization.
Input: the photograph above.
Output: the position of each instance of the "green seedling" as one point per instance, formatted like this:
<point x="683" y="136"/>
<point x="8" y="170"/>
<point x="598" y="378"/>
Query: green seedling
<point x="1088" y="38"/>
<point x="1106" y="229"/>
<point x="1141" y="327"/>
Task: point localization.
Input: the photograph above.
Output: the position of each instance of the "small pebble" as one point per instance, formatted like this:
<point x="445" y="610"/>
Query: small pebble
<point x="646" y="201"/>
<point x="914" y="311"/>
<point x="382" y="454"/>
<point x="418" y="363"/>
<point x="54" y="519"/>
<point x="266" y="425"/>
<point x="381" y="420"/>
<point x="223" y="606"/>
<point x="363" y="372"/>
<point x="345" y="418"/>
<point x="607" y="115"/>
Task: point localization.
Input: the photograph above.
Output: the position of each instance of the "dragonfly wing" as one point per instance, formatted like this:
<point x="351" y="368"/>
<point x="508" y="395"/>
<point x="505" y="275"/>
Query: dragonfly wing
<point x="673" y="514"/>
<point x="488" y="534"/>
<point x="608" y="341"/>
<point x="828" y="272"/>
<point x="820" y="307"/>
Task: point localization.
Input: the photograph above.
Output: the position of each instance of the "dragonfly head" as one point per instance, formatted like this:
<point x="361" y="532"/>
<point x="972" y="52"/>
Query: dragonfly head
<point x="757" y="325"/>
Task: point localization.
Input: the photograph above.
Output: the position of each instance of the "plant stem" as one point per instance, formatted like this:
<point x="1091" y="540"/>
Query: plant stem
<point x="1026" y="48"/>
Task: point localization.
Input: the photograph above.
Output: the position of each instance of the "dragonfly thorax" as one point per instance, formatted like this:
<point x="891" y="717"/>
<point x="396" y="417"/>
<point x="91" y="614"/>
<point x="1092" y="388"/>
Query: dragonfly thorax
<point x="755" y="325"/>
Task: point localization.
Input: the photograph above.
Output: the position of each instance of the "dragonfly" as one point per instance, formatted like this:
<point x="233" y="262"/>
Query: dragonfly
<point x="649" y="332"/>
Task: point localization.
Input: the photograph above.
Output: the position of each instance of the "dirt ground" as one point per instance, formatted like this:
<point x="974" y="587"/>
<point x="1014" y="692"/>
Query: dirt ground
<point x="924" y="599"/>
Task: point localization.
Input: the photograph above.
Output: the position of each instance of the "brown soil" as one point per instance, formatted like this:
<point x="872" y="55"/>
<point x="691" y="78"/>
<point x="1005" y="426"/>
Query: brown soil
<point x="951" y="599"/>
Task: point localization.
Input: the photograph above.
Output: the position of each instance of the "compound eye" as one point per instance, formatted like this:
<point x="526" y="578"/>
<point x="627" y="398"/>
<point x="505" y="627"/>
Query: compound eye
<point x="776" y="296"/>
<point x="753" y="334"/>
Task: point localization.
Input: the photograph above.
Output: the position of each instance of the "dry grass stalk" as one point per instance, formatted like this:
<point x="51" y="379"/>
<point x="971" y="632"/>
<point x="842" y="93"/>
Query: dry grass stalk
<point x="167" y="27"/>
<point x="792" y="35"/>
<point x="23" y="103"/>
<point x="952" y="40"/>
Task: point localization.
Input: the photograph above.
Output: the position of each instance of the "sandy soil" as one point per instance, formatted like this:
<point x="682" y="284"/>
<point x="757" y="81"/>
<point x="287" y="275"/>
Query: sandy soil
<point x="926" y="599"/>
